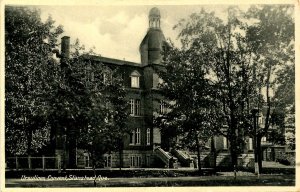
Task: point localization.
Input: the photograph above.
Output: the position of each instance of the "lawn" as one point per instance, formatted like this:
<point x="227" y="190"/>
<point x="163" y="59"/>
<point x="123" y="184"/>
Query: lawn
<point x="263" y="180"/>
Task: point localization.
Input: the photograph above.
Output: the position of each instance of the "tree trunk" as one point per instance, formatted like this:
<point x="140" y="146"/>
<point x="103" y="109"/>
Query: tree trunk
<point x="259" y="154"/>
<point x="267" y="120"/>
<point x="94" y="167"/>
<point x="233" y="157"/>
<point x="198" y="155"/>
<point x="213" y="151"/>
<point x="120" y="154"/>
<point x="29" y="141"/>
<point x="72" y="146"/>
<point x="233" y="149"/>
<point x="53" y="135"/>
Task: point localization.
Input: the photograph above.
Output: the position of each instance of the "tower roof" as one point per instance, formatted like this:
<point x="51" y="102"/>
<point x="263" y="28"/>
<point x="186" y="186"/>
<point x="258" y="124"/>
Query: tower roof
<point x="154" y="41"/>
<point x="154" y="12"/>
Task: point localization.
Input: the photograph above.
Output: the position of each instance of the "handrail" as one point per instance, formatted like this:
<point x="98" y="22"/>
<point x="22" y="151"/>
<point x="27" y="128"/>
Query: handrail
<point x="182" y="154"/>
<point x="163" y="155"/>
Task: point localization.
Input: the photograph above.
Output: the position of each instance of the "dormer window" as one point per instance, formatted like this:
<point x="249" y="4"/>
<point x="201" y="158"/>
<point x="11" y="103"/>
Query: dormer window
<point x="135" y="79"/>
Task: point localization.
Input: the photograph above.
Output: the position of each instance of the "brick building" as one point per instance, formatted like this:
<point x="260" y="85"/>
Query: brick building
<point x="143" y="147"/>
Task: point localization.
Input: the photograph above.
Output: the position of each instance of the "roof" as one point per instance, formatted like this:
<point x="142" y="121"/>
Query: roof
<point x="153" y="39"/>
<point x="113" y="61"/>
<point x="107" y="60"/>
<point x="154" y="12"/>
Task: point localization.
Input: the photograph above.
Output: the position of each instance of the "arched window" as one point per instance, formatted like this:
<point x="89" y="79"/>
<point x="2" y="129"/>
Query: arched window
<point x="135" y="79"/>
<point x="225" y="143"/>
<point x="148" y="136"/>
<point x="250" y="143"/>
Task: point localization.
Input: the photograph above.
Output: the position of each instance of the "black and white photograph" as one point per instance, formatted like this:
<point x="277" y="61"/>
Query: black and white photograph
<point x="148" y="94"/>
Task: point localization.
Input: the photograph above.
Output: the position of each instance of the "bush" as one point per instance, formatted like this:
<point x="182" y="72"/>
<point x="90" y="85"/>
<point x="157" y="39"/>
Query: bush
<point x="283" y="161"/>
<point x="286" y="158"/>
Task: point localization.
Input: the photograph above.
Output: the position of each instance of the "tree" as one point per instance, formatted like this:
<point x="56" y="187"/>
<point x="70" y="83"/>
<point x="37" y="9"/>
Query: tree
<point x="28" y="65"/>
<point x="106" y="112"/>
<point x="242" y="59"/>
<point x="221" y="46"/>
<point x="271" y="37"/>
<point x="92" y="107"/>
<point x="290" y="140"/>
<point x="190" y="94"/>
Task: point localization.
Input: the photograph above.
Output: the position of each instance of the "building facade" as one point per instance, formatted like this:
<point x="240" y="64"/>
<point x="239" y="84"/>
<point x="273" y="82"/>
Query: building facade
<point x="142" y="148"/>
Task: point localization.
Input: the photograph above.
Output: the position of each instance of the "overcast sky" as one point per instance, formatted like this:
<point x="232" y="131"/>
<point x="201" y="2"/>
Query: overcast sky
<point x="116" y="31"/>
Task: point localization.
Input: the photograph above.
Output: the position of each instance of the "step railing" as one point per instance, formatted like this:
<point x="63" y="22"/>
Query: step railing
<point x="164" y="156"/>
<point x="184" y="159"/>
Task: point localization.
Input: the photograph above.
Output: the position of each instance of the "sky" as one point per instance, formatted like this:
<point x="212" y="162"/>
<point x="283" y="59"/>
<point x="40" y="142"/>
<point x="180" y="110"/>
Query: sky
<point x="117" y="31"/>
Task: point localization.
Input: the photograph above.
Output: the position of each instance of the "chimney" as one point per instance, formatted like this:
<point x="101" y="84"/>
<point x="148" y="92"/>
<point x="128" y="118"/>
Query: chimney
<point x="65" y="47"/>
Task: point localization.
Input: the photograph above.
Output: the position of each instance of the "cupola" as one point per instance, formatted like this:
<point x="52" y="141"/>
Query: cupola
<point x="154" y="18"/>
<point x="153" y="42"/>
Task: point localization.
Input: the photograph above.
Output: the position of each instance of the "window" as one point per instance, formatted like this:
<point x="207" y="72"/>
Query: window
<point x="137" y="107"/>
<point x="135" y="79"/>
<point x="163" y="108"/>
<point x="250" y="144"/>
<point x="107" y="76"/>
<point x="132" y="138"/>
<point x="261" y="120"/>
<point x="135" y="82"/>
<point x="135" y="161"/>
<point x="86" y="160"/>
<point x="264" y="139"/>
<point x="131" y="106"/>
<point x="109" y="116"/>
<point x="148" y="136"/>
<point x="138" y="161"/>
<point x="132" y="162"/>
<point x="138" y="136"/>
<point x="225" y="143"/>
<point x="135" y="137"/>
<point x="148" y="161"/>
<point x="107" y="161"/>
<point x="89" y="74"/>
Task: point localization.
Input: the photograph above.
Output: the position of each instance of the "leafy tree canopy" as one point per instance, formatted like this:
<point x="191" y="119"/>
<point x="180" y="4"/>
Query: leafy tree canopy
<point x="28" y="65"/>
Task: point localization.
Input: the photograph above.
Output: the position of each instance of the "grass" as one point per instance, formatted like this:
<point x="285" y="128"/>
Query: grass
<point x="263" y="180"/>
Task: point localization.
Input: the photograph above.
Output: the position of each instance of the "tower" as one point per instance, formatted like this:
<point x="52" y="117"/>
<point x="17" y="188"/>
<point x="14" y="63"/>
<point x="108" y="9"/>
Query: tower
<point x="153" y="42"/>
